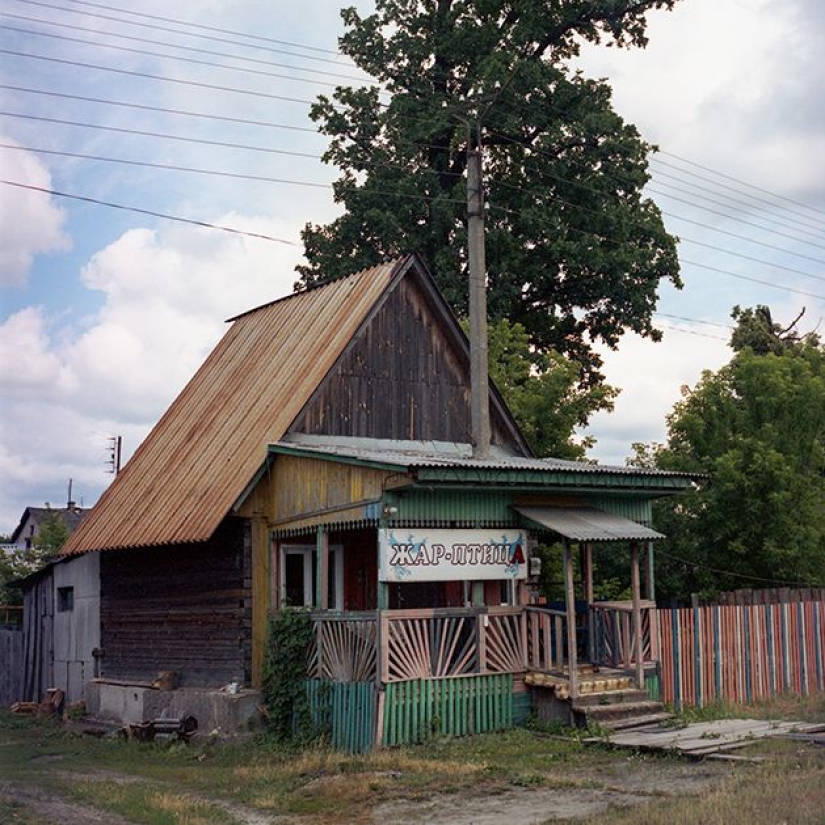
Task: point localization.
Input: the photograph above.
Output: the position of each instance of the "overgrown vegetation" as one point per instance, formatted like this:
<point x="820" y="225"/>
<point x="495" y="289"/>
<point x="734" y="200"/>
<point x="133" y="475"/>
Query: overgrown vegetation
<point x="254" y="780"/>
<point x="756" y="429"/>
<point x="288" y="715"/>
<point x="17" y="564"/>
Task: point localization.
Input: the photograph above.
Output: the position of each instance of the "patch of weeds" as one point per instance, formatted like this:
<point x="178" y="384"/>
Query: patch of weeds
<point x="530" y="780"/>
<point x="13" y="814"/>
<point x="145" y="804"/>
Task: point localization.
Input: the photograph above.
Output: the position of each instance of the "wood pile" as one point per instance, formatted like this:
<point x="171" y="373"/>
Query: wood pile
<point x="52" y="703"/>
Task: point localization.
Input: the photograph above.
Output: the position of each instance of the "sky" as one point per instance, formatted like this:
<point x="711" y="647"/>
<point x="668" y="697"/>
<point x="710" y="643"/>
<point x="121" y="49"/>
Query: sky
<point x="106" y="312"/>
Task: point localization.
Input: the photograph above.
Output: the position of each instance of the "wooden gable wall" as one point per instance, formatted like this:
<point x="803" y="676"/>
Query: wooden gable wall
<point x="403" y="377"/>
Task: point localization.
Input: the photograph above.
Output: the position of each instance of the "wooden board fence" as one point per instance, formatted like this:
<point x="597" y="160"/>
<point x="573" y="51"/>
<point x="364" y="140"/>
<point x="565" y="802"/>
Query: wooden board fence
<point x="418" y="709"/>
<point x="741" y="653"/>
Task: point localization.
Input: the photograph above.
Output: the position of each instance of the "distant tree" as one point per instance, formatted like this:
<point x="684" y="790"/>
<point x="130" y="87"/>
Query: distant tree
<point x="756" y="429"/>
<point x="543" y="393"/>
<point x="17" y="564"/>
<point x="575" y="251"/>
<point x="51" y="536"/>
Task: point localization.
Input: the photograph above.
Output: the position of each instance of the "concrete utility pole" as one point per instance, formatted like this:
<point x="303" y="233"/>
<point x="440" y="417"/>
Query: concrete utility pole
<point x="479" y="370"/>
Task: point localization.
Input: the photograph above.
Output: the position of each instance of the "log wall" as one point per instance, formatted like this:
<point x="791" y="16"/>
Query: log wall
<point x="185" y="608"/>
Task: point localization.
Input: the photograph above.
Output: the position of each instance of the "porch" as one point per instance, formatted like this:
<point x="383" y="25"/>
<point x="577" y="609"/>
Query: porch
<point x="398" y="676"/>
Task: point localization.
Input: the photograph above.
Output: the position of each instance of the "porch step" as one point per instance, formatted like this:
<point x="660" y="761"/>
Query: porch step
<point x="633" y="722"/>
<point x="621" y="696"/>
<point x="621" y="714"/>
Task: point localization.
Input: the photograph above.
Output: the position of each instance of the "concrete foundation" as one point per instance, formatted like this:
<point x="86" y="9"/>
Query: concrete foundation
<point x="216" y="710"/>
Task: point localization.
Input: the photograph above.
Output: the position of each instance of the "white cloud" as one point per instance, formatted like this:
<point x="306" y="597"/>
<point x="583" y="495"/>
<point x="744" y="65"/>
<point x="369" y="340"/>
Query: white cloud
<point x="167" y="295"/>
<point x="650" y="376"/>
<point x="30" y="223"/>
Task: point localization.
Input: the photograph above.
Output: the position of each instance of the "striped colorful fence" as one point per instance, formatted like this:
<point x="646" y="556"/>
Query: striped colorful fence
<point x="741" y="653"/>
<point x="420" y="708"/>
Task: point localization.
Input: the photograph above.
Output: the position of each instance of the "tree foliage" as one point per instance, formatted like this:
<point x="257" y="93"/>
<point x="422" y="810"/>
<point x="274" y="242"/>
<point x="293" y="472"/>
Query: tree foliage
<point x="542" y="392"/>
<point x="575" y="252"/>
<point x="756" y="428"/>
<point x="17" y="564"/>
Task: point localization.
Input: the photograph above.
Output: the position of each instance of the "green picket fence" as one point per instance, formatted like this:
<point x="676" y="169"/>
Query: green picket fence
<point x="418" y="709"/>
<point x="345" y="711"/>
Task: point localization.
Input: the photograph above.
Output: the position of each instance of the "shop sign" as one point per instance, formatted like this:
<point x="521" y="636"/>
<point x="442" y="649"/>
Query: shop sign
<point x="451" y="555"/>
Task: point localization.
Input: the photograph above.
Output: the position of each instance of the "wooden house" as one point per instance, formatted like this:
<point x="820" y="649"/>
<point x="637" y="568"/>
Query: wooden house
<point x="320" y="457"/>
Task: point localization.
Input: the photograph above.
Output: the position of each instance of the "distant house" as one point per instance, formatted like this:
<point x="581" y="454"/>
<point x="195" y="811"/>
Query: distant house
<point x="26" y="531"/>
<point x="61" y="617"/>
<point x="321" y="458"/>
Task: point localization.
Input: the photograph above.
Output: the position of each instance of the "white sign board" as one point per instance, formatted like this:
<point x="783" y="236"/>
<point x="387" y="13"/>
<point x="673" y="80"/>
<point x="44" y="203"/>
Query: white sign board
<point x="451" y="555"/>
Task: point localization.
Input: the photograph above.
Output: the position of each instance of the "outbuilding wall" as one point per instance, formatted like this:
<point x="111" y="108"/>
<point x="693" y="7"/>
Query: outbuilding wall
<point x="181" y="608"/>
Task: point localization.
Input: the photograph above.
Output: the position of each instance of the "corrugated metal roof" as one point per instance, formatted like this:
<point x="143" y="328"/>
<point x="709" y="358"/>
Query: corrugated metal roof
<point x="188" y="473"/>
<point x="587" y="524"/>
<point x="412" y="454"/>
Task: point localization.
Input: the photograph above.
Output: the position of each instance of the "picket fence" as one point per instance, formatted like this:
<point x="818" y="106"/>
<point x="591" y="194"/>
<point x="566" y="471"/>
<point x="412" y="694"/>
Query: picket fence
<point x="741" y="653"/>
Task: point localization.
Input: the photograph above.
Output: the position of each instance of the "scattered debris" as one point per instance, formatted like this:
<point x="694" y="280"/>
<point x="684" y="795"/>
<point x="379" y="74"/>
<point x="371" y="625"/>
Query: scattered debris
<point x="710" y="738"/>
<point x="181" y="726"/>
<point x="52" y="703"/>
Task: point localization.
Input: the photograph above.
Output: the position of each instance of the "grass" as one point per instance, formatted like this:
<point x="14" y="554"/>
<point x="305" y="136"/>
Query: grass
<point x="212" y="782"/>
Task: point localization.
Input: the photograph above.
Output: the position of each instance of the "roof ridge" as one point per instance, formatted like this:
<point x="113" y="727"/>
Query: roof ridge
<point x="321" y="285"/>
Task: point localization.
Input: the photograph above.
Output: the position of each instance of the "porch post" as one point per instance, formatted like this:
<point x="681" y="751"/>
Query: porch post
<point x="570" y="598"/>
<point x="650" y="579"/>
<point x="637" y="615"/>
<point x="588" y="597"/>
<point x="322" y="579"/>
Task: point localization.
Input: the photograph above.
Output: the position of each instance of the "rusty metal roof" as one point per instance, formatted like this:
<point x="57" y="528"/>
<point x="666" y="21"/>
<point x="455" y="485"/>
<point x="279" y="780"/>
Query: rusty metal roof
<point x="588" y="524"/>
<point x="187" y="474"/>
<point x="415" y="454"/>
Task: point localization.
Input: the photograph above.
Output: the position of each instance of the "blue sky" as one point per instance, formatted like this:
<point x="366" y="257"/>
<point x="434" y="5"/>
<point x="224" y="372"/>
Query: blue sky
<point x="106" y="313"/>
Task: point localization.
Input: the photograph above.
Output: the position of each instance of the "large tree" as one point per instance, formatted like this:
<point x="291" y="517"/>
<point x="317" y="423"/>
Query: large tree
<point x="756" y="429"/>
<point x="575" y="252"/>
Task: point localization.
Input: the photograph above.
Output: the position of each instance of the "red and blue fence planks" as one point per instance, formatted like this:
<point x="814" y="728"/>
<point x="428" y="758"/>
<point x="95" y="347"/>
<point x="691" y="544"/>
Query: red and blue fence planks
<point x="741" y="653"/>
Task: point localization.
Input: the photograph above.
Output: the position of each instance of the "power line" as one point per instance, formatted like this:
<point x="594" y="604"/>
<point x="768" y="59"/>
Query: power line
<point x="734" y="218"/>
<point x="181" y="46"/>
<point x="164" y="136"/>
<point x="742" y="183"/>
<point x="751" y="279"/>
<point x="149" y="76"/>
<point x="160" y="109"/>
<point x="166" y="29"/>
<point x="810" y="224"/>
<point x="693" y="563"/>
<point x="191" y="60"/>
<point x="218" y="173"/>
<point x="165" y="216"/>
<point x="200" y="26"/>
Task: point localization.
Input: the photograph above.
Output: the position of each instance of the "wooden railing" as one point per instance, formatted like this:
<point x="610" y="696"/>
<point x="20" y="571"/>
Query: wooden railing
<point x="612" y="638"/>
<point x="345" y="647"/>
<point x="546" y="639"/>
<point x="400" y="645"/>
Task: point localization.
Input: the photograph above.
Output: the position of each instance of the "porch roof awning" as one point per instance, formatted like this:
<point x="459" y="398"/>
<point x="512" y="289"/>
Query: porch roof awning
<point x="588" y="524"/>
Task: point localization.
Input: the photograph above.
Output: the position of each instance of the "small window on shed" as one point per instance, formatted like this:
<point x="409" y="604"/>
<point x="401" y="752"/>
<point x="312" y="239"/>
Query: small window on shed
<point x="65" y="599"/>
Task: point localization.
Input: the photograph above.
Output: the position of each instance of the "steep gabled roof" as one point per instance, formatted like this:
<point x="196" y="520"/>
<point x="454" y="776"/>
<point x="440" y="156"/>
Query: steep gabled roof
<point x="184" y="478"/>
<point x="202" y="454"/>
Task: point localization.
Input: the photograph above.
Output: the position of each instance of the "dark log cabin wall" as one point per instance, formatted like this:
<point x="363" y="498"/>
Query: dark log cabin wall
<point x="185" y="608"/>
<point x="401" y="378"/>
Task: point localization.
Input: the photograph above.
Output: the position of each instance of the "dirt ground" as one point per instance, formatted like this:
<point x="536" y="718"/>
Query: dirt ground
<point x="628" y="782"/>
<point x="625" y="782"/>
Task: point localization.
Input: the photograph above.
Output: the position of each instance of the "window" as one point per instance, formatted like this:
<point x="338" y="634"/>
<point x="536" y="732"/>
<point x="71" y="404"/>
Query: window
<point x="299" y="576"/>
<point x="65" y="599"/>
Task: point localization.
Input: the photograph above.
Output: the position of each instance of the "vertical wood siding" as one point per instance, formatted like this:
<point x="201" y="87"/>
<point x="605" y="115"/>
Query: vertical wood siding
<point x="185" y="608"/>
<point x="741" y="653"/>
<point x="346" y="712"/>
<point x="11" y="665"/>
<point x="416" y="710"/>
<point x="401" y="379"/>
